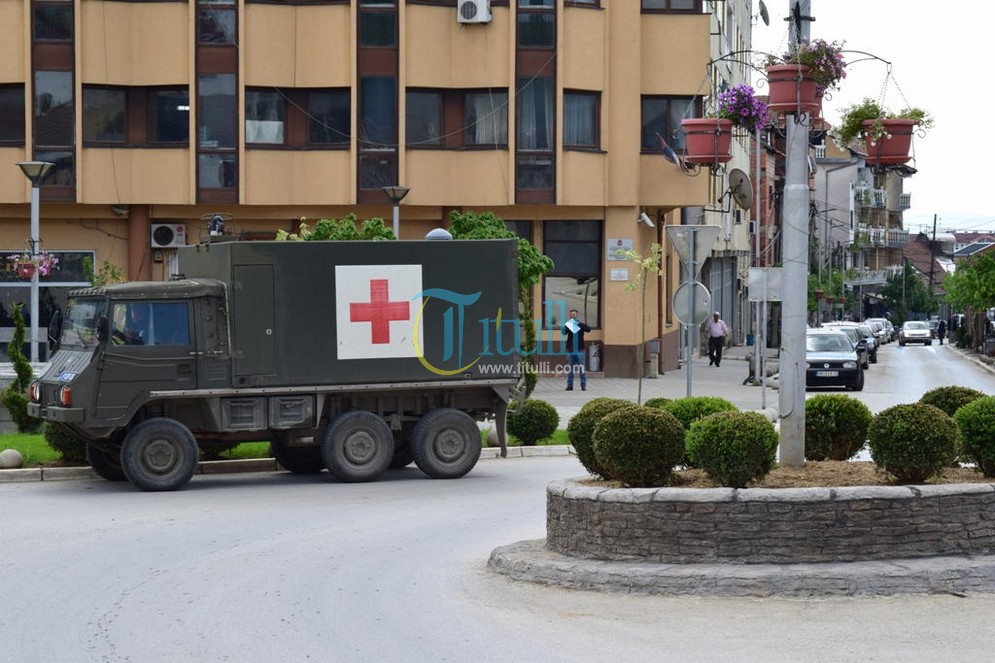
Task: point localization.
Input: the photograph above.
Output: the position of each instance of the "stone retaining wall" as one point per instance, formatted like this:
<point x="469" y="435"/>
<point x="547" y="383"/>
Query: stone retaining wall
<point x="756" y="526"/>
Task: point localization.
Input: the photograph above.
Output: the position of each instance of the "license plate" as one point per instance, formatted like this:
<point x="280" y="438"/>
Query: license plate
<point x="827" y="374"/>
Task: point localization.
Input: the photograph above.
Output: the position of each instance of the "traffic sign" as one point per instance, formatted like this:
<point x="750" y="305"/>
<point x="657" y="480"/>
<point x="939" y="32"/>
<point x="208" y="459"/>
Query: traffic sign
<point x="702" y="303"/>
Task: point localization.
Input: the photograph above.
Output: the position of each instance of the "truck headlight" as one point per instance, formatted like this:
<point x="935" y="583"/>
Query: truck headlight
<point x="66" y="396"/>
<point x="34" y="392"/>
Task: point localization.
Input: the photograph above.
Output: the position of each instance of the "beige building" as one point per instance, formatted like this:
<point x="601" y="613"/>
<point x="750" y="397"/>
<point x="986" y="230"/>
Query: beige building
<point x="160" y="115"/>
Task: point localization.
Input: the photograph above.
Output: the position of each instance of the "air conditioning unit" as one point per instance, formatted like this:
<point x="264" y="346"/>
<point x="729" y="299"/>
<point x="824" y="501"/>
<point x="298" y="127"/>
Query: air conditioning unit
<point x="168" y="235"/>
<point x="473" y="11"/>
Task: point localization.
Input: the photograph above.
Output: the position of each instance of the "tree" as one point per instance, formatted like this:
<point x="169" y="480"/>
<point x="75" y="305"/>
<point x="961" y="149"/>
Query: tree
<point x="340" y="229"/>
<point x="972" y="286"/>
<point x="905" y="291"/>
<point x="651" y="264"/>
<point x="532" y="264"/>
<point x="14" y="395"/>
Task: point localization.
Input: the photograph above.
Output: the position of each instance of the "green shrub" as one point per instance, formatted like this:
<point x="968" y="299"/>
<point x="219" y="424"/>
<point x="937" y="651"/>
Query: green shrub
<point x="976" y="425"/>
<point x="913" y="442"/>
<point x="950" y="398"/>
<point x="580" y="429"/>
<point x="14" y="396"/>
<point x="835" y="427"/>
<point x="70" y="447"/>
<point x="733" y="448"/>
<point x="692" y="408"/>
<point x="658" y="402"/>
<point x="639" y="446"/>
<point x="536" y="421"/>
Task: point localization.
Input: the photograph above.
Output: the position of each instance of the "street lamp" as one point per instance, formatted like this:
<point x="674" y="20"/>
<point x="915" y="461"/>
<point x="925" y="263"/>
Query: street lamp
<point x="396" y="194"/>
<point x="36" y="172"/>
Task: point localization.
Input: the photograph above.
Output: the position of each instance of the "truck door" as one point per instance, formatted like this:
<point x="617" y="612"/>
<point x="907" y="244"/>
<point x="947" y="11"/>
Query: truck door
<point x="150" y="348"/>
<point x="254" y="326"/>
<point x="211" y="326"/>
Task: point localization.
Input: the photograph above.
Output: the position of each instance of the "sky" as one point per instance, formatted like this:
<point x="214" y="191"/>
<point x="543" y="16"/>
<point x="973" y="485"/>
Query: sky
<point x="938" y="53"/>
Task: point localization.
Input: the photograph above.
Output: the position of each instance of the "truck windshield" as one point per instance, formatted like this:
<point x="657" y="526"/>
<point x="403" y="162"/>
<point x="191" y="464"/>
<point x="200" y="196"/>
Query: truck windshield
<point x="79" y="329"/>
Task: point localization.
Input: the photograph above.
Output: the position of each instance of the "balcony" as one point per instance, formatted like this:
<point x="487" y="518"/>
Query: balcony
<point x="871" y="198"/>
<point x="880" y="238"/>
<point x="904" y="201"/>
<point x="866" y="277"/>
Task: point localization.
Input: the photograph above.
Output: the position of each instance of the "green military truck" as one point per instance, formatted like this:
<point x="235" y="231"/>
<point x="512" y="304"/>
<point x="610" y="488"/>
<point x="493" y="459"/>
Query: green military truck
<point x="350" y="356"/>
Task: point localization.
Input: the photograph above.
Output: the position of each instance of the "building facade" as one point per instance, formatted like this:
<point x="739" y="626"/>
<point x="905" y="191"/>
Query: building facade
<point x="162" y="115"/>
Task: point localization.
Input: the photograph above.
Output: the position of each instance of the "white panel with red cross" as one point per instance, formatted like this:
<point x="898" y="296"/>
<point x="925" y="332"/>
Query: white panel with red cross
<point x="376" y="310"/>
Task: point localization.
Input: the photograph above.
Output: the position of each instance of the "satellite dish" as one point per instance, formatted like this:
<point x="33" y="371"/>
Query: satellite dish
<point x="763" y="13"/>
<point x="740" y="188"/>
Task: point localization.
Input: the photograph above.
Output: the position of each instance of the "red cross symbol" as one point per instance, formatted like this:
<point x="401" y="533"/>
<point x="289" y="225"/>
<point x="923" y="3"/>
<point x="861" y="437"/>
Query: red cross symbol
<point x="379" y="311"/>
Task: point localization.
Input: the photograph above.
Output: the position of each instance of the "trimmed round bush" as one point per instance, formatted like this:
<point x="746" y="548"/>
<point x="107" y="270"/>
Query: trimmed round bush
<point x="657" y="402"/>
<point x="835" y="427"/>
<point x="536" y="421"/>
<point x="692" y="408"/>
<point x="976" y="423"/>
<point x="580" y="430"/>
<point x="639" y="446"/>
<point x="951" y="398"/>
<point x="733" y="448"/>
<point x="912" y="442"/>
<point x="70" y="447"/>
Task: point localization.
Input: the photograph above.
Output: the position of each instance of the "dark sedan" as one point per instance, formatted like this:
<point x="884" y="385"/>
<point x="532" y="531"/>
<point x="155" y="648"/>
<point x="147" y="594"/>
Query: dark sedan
<point x="832" y="360"/>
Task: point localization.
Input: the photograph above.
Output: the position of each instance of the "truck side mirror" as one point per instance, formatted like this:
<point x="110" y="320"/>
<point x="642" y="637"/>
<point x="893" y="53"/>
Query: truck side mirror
<point x="102" y="329"/>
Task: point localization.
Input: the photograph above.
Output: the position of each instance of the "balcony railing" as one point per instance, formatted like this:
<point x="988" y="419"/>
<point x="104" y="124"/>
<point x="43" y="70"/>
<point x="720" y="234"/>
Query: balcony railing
<point x="881" y="238"/>
<point x="873" y="198"/>
<point x="904" y="201"/>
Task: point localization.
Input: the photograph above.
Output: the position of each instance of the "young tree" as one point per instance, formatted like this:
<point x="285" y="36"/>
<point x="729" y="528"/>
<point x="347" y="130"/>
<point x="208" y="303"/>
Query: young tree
<point x="651" y="264"/>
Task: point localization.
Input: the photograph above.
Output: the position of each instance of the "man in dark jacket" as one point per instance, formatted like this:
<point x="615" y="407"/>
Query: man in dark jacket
<point x="574" y="330"/>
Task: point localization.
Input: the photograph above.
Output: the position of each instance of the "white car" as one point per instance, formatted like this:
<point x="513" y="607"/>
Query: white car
<point x="915" y="331"/>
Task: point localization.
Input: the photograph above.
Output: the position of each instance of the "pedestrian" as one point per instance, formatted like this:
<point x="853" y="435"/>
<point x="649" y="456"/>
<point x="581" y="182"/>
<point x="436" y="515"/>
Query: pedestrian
<point x="717" y="332"/>
<point x="574" y="330"/>
<point x="941" y="330"/>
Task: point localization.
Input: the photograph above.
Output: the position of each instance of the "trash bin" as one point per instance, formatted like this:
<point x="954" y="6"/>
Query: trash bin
<point x="750" y="340"/>
<point x="652" y="365"/>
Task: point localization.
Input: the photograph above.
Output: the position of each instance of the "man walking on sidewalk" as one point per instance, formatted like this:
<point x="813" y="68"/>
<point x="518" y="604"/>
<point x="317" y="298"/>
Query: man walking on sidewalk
<point x="717" y="332"/>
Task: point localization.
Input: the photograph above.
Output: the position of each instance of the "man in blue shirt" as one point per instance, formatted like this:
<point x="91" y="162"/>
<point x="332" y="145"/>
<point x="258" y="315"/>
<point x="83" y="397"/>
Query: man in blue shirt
<point x="574" y="330"/>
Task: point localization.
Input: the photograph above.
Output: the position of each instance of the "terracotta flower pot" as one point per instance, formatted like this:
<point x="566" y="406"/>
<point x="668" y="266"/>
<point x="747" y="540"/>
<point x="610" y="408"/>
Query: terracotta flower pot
<point x="707" y="140"/>
<point x="25" y="270"/>
<point x="893" y="147"/>
<point x="790" y="91"/>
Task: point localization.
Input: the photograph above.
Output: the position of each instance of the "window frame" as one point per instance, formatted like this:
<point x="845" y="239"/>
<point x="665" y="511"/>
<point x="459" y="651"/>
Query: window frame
<point x="696" y="7"/>
<point x="672" y="134"/>
<point x="596" y="244"/>
<point x="140" y="117"/>
<point x="298" y="118"/>
<point x="595" y="145"/>
<point x="14" y="112"/>
<point x="454" y="121"/>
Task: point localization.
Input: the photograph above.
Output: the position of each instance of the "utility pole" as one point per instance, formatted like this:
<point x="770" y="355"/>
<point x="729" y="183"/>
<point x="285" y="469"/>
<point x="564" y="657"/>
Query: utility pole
<point x="795" y="236"/>
<point x="932" y="255"/>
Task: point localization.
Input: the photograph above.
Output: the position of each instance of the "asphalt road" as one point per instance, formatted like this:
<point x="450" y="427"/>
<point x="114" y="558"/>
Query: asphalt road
<point x="275" y="567"/>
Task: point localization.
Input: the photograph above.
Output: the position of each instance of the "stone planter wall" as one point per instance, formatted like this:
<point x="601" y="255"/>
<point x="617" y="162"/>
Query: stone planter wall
<point x="756" y="526"/>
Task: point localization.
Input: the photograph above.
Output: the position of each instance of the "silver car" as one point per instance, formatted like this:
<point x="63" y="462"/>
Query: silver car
<point x="915" y="331"/>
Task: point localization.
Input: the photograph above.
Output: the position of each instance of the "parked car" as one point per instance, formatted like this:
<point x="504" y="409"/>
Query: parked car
<point x="832" y="360"/>
<point x="858" y="340"/>
<point x="915" y="331"/>
<point x="890" y="332"/>
<point x="880" y="332"/>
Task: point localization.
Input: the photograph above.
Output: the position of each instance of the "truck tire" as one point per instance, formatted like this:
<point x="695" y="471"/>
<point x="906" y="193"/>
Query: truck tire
<point x="105" y="461"/>
<point x="446" y="443"/>
<point x="357" y="446"/>
<point x="299" y="460"/>
<point x="159" y="454"/>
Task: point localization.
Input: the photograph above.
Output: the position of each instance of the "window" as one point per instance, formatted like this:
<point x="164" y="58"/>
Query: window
<point x="53" y="21"/>
<point x="536" y="24"/>
<point x="216" y="135"/>
<point x="104" y="112"/>
<point x="580" y="119"/>
<point x="521" y="228"/>
<point x="378" y="114"/>
<point x="296" y="117"/>
<point x="264" y="117"/>
<point x="12" y="110"/>
<point x="54" y="108"/>
<point x="156" y="323"/>
<point x="574" y="282"/>
<point x="216" y="22"/>
<point x="535" y="134"/>
<point x="672" y="5"/>
<point x="135" y="116"/>
<point x="663" y="115"/>
<point x="378" y="24"/>
<point x="457" y="118"/>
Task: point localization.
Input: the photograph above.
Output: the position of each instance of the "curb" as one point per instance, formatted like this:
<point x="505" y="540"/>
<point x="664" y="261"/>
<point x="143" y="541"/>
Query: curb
<point x="247" y="465"/>
<point x="530" y="561"/>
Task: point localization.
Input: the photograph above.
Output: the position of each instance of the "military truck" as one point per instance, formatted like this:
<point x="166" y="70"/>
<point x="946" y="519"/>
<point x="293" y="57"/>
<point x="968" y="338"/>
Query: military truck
<point x="351" y="356"/>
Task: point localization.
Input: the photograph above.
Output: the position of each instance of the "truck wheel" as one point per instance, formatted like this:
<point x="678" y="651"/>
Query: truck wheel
<point x="357" y="446"/>
<point x="446" y="443"/>
<point x="106" y="462"/>
<point x="299" y="460"/>
<point x="159" y="454"/>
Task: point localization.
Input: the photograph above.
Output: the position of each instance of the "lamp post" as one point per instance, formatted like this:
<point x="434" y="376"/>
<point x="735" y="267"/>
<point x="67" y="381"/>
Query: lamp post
<point x="36" y="172"/>
<point x="396" y="194"/>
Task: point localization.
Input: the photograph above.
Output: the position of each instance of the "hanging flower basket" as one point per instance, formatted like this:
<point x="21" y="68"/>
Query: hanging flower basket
<point x="25" y="266"/>
<point x="792" y="90"/>
<point x="892" y="146"/>
<point x="707" y="140"/>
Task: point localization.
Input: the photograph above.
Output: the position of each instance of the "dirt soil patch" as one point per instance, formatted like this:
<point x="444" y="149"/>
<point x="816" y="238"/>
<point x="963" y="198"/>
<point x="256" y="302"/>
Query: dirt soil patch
<point x="819" y="474"/>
